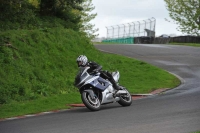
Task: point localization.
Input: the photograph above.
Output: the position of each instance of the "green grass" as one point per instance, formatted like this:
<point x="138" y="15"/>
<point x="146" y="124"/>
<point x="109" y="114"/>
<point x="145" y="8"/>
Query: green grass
<point x="40" y="105"/>
<point x="187" y="44"/>
<point x="39" y="75"/>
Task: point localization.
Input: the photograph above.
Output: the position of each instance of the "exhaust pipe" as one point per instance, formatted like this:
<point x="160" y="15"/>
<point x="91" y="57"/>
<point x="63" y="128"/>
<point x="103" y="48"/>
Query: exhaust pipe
<point x="121" y="92"/>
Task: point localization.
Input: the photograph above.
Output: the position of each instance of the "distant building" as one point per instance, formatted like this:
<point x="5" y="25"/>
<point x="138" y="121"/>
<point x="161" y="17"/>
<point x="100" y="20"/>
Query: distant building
<point x="150" y="33"/>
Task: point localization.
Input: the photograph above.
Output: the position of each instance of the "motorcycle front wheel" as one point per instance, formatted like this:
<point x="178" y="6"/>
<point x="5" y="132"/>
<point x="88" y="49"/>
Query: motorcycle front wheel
<point x="92" y="104"/>
<point x="125" y="99"/>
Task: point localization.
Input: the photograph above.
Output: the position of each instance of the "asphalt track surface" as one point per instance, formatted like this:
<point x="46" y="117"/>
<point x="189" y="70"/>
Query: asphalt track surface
<point x="175" y="111"/>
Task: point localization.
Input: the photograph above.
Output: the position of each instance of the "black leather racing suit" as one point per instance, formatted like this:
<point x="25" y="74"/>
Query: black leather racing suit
<point x="94" y="67"/>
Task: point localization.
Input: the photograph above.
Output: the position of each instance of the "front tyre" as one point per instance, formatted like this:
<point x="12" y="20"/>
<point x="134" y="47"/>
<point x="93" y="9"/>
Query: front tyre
<point x="125" y="99"/>
<point x="92" y="104"/>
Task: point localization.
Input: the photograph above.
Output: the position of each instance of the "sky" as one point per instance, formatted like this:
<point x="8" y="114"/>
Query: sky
<point x="117" y="12"/>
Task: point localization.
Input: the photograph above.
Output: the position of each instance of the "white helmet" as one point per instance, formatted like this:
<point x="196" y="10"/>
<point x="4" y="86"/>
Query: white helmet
<point x="82" y="60"/>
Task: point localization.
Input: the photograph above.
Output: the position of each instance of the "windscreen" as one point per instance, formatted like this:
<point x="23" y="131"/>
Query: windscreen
<point x="81" y="75"/>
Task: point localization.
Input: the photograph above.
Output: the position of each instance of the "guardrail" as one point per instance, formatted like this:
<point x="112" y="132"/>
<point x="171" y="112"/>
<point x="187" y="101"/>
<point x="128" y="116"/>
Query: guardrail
<point x="127" y="40"/>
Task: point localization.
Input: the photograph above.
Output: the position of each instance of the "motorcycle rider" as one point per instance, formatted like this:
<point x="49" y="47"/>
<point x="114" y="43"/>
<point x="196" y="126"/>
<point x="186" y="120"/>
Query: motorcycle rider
<point x="82" y="61"/>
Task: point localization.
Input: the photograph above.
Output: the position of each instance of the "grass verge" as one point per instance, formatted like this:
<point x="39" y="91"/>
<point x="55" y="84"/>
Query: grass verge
<point x="40" y="105"/>
<point x="187" y="44"/>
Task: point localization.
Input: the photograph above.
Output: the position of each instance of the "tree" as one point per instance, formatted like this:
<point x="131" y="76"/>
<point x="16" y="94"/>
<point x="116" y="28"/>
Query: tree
<point x="186" y="13"/>
<point x="35" y="3"/>
<point x="16" y="11"/>
<point x="63" y="9"/>
<point x="86" y="17"/>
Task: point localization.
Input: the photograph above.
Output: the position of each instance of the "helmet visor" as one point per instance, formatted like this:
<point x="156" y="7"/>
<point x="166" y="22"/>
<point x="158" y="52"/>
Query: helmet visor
<point x="79" y="63"/>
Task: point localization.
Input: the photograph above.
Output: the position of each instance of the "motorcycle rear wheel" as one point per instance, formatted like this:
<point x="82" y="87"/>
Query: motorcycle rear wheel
<point x="91" y="104"/>
<point x="125" y="100"/>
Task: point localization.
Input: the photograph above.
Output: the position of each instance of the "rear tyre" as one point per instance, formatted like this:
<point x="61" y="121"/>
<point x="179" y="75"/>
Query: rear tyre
<point x="125" y="99"/>
<point x="92" y="104"/>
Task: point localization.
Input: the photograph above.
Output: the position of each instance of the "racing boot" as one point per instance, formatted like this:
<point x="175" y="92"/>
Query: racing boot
<point x="116" y="87"/>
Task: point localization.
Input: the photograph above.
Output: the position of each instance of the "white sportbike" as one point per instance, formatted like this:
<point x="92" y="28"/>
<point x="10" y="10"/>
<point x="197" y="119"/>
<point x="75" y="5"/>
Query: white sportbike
<point x="96" y="91"/>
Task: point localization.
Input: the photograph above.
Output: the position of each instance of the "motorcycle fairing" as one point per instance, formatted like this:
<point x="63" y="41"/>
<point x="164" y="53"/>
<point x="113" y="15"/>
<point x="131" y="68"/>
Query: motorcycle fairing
<point x="100" y="83"/>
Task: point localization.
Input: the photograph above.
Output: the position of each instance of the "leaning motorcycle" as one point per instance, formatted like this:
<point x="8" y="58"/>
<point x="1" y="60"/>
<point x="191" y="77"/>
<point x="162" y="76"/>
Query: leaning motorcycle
<point x="96" y="91"/>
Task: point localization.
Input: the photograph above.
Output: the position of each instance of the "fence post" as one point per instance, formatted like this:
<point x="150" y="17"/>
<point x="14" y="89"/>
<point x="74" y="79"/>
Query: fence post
<point x="139" y="28"/>
<point x="113" y="31"/>
<point x="118" y="30"/>
<point x="124" y="31"/>
<point x="150" y="27"/>
<point x="133" y="29"/>
<point x="154" y="24"/>
<point x="129" y="30"/>
<point x="107" y="32"/>
<point x="145" y="26"/>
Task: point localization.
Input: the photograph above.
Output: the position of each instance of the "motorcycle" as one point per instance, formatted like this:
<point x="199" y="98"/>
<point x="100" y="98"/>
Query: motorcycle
<point x="96" y="91"/>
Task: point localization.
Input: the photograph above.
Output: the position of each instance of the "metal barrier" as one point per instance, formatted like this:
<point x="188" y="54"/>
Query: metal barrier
<point x="132" y="29"/>
<point x="128" y="40"/>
